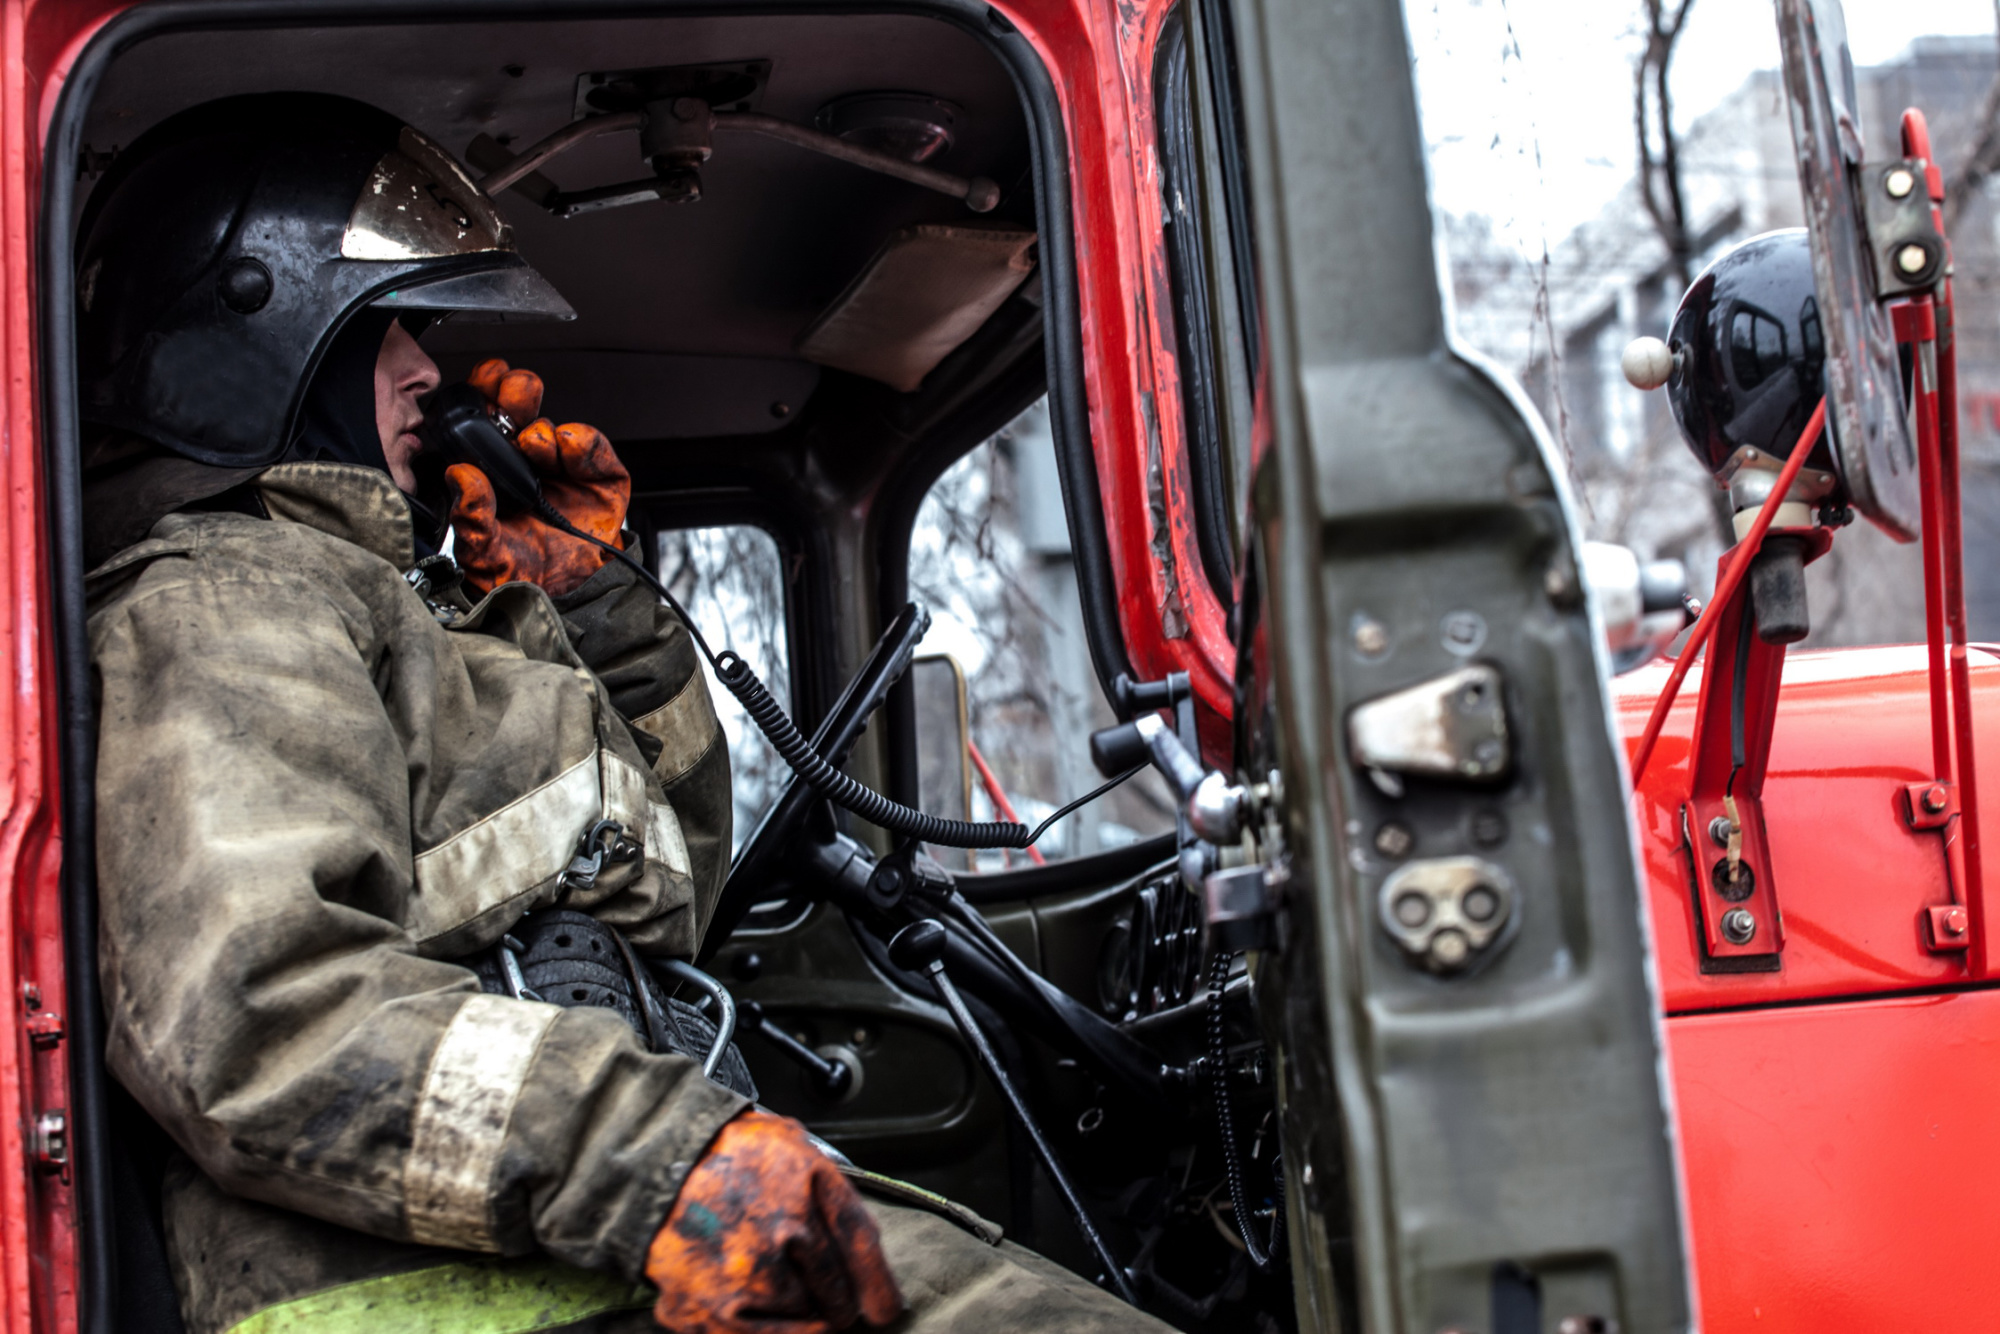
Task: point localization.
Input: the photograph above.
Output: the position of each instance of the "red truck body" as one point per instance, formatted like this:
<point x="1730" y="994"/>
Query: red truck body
<point x="1834" y="1115"/>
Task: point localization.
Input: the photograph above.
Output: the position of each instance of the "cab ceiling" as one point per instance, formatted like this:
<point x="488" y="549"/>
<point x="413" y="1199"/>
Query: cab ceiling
<point x="687" y="313"/>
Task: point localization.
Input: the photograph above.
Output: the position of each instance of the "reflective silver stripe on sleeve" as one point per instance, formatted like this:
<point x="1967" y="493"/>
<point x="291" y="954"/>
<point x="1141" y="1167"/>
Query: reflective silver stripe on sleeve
<point x="686" y="727"/>
<point x="523" y="844"/>
<point x="626" y="801"/>
<point x="460" y="1123"/>
<point x="665" y="843"/>
<point x="624" y="790"/>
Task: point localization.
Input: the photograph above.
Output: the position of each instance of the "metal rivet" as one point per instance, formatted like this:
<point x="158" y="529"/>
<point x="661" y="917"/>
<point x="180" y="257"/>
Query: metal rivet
<point x="1413" y="910"/>
<point x="1585" y="1324"/>
<point x="1899" y="182"/>
<point x="1394" y="840"/>
<point x="1489" y="829"/>
<point x="245" y="285"/>
<point x="1463" y="631"/>
<point x="1480" y="904"/>
<point x="1370" y="636"/>
<point x="1913" y="259"/>
<point x="1738" y="926"/>
<point x="1450" y="948"/>
<point x="52" y="1141"/>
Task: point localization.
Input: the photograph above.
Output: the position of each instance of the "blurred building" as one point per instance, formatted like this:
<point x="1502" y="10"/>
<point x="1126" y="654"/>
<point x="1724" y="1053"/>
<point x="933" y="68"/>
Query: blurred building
<point x="1611" y="280"/>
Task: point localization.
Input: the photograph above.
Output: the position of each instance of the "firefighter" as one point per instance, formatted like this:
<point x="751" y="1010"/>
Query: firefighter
<point x="334" y="781"/>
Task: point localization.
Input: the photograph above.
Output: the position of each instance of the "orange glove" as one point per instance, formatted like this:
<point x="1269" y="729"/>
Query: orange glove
<point x="767" y="1236"/>
<point x="581" y="477"/>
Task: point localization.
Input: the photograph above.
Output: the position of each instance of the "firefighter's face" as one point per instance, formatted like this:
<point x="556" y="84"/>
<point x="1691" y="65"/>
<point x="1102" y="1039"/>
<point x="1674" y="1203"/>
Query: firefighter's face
<point x="403" y="373"/>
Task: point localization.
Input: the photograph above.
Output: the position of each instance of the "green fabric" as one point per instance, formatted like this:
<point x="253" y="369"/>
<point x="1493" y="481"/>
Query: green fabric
<point x="472" y="1298"/>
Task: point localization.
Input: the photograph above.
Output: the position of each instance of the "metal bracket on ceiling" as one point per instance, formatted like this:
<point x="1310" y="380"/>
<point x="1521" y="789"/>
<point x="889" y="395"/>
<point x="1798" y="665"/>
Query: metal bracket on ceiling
<point x="676" y="138"/>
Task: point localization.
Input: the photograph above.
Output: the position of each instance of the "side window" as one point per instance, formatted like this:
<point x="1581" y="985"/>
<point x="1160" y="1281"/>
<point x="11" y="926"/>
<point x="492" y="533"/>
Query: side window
<point x="1194" y="321"/>
<point x="1211" y="267"/>
<point x="731" y="580"/>
<point x="990" y="559"/>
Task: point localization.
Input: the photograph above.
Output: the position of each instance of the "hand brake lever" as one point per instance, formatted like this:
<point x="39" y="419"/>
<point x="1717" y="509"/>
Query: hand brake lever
<point x="831" y="1079"/>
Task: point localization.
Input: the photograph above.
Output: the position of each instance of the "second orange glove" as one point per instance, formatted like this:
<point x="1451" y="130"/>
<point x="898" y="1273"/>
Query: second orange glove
<point x="767" y="1235"/>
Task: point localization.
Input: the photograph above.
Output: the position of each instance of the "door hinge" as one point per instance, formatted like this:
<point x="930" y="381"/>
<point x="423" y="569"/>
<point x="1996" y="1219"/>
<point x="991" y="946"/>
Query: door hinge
<point x="45" y="1027"/>
<point x="52" y="1144"/>
<point x="45" y="1030"/>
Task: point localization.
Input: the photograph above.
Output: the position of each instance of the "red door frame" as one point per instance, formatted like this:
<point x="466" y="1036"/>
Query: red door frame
<point x="38" y="1238"/>
<point x="1100" y="57"/>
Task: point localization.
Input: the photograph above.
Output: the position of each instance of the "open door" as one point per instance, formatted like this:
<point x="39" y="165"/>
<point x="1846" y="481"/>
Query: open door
<point x="1477" y="1127"/>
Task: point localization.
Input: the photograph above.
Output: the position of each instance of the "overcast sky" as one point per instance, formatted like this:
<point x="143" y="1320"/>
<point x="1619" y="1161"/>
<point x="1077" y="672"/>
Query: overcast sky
<point x="1527" y="104"/>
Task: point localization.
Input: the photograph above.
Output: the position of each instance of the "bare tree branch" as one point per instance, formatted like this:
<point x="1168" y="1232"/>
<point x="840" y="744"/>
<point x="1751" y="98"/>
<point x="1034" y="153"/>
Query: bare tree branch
<point x="1653" y="121"/>
<point x="1984" y="159"/>
<point x="1660" y="167"/>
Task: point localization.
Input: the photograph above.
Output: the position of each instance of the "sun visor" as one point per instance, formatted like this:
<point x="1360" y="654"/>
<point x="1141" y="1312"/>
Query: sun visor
<point x="516" y="292"/>
<point x="926" y="291"/>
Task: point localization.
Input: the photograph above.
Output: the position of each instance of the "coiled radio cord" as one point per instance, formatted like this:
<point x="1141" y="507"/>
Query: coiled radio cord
<point x="1261" y="1255"/>
<point x="740" y="680"/>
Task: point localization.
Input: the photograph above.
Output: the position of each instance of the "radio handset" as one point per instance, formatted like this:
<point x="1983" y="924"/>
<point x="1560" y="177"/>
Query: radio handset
<point x="462" y="427"/>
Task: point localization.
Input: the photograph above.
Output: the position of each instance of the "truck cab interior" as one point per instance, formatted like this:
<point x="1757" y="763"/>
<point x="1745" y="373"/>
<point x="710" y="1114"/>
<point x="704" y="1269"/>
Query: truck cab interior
<point x="792" y="348"/>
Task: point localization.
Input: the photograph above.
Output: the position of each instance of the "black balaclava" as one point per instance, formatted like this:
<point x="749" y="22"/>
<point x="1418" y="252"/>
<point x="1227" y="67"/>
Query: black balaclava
<point x="337" y="420"/>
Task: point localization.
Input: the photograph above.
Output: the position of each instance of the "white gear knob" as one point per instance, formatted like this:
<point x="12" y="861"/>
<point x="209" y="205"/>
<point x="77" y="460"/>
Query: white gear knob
<point x="1647" y="363"/>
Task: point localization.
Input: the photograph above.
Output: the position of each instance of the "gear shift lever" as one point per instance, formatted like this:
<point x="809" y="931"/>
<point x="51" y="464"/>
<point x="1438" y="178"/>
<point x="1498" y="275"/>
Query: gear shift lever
<point x="919" y="948"/>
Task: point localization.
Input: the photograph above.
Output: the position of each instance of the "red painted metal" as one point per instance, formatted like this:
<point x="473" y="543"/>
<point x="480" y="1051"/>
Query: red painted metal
<point x="1841" y="1164"/>
<point x="38" y="1238"/>
<point x="1916" y="322"/>
<point x="1851" y="733"/>
<point x="998" y="796"/>
<point x="1100" y="56"/>
<point x="1739" y="559"/>
<point x="1947" y="509"/>
<point x="1958" y="927"/>
<point x="1720" y="788"/>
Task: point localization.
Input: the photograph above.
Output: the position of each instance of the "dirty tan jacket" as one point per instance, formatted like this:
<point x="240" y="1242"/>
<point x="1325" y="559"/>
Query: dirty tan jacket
<point x="312" y="796"/>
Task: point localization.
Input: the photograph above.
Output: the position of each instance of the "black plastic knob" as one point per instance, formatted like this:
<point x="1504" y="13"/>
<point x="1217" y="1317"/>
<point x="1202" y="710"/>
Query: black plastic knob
<point x="918" y="946"/>
<point x="1116" y="749"/>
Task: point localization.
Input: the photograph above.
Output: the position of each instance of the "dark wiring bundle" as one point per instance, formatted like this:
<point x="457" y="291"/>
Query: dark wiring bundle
<point x="1225" y="1120"/>
<point x="740" y="680"/>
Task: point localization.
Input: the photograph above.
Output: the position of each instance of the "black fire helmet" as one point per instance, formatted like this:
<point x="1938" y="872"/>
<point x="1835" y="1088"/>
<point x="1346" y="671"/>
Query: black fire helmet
<point x="225" y="250"/>
<point x="1749" y="353"/>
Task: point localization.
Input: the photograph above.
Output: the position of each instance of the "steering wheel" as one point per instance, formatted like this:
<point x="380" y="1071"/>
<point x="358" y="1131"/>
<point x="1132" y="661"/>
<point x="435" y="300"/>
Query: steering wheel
<point x="766" y="851"/>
